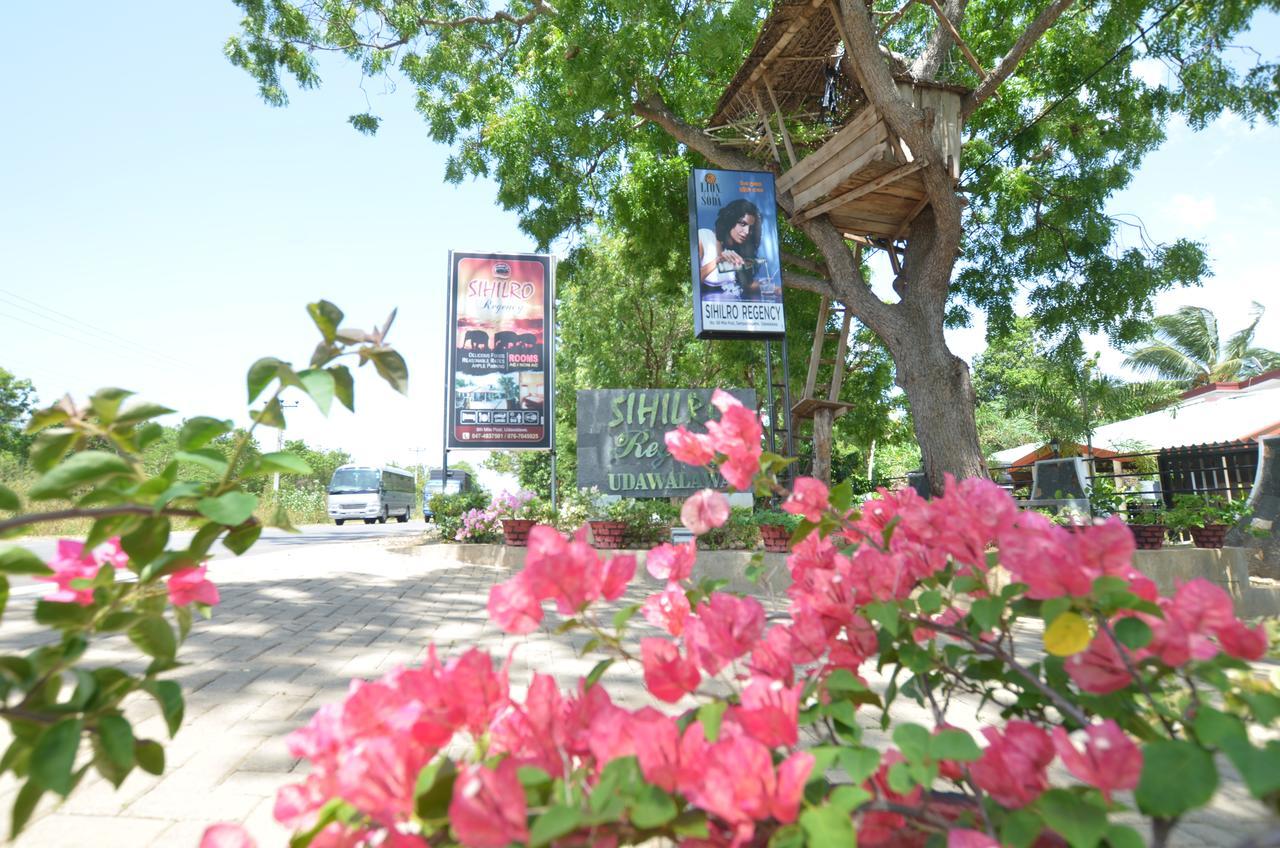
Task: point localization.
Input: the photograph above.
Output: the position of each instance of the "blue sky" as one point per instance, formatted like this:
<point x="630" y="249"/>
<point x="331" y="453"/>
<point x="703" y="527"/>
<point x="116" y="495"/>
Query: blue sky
<point x="161" y="227"/>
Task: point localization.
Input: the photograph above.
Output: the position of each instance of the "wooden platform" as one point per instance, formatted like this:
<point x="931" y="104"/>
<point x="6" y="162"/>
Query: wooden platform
<point x="807" y="406"/>
<point x="866" y="179"/>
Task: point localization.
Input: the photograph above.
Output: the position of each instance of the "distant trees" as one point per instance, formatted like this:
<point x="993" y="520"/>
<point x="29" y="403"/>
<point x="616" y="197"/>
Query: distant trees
<point x="17" y="399"/>
<point x="1189" y="350"/>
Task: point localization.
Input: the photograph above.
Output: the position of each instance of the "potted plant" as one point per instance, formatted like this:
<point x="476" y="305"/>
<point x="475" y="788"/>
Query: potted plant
<point x="608" y="528"/>
<point x="1206" y="517"/>
<point x="518" y="512"/>
<point x="776" y="528"/>
<point x="1146" y="524"/>
<point x="645" y="523"/>
<point x="739" y="532"/>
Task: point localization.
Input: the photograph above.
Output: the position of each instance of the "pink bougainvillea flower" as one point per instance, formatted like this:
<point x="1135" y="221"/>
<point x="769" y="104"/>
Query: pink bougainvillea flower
<point x="567" y="570"/>
<point x="808" y="498"/>
<point x="737" y="435"/>
<point x="690" y="448"/>
<point x="668" y="609"/>
<point x="725" y="628"/>
<point x="657" y="741"/>
<point x="769" y="711"/>
<point x="488" y="809"/>
<point x="74" y="570"/>
<point x="772" y="655"/>
<point x="533" y="734"/>
<point x="111" y="553"/>
<point x="1012" y="768"/>
<point x="187" y="585"/>
<point x="1110" y="760"/>
<point x="965" y="838"/>
<point x="737" y="783"/>
<point x="478" y="691"/>
<point x="704" y="510"/>
<point x="793" y="773"/>
<point x="672" y="563"/>
<point x="1243" y="642"/>
<point x="226" y="836"/>
<point x="378" y="777"/>
<point x="618" y="572"/>
<point x="513" y="607"/>
<point x="1039" y="553"/>
<point x="667" y="675"/>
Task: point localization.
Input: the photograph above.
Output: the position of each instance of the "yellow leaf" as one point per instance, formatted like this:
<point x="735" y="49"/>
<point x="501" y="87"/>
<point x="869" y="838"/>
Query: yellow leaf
<point x="1068" y="634"/>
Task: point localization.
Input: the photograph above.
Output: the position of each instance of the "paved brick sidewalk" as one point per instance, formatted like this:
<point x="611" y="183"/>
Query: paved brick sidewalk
<point x="292" y="629"/>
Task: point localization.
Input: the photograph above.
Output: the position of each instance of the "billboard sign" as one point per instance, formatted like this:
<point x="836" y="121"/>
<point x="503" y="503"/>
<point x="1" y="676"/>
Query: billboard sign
<point x="500" y="351"/>
<point x="733" y="245"/>
<point x="621" y="440"/>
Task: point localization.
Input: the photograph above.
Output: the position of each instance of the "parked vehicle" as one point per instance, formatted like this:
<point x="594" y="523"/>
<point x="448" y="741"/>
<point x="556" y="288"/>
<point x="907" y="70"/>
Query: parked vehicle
<point x="370" y="493"/>
<point x="459" y="481"/>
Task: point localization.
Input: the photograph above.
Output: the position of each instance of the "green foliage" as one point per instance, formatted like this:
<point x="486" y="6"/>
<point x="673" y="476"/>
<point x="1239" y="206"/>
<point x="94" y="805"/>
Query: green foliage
<point x="107" y="462"/>
<point x="648" y="521"/>
<point x="775" y="518"/>
<point x="739" y="532"/>
<point x="1191" y="511"/>
<point x="17" y="399"/>
<point x="448" y="509"/>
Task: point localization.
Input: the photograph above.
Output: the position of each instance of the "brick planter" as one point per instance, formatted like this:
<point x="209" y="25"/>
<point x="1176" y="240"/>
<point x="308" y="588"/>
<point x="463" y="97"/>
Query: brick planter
<point x="1212" y="536"/>
<point x="1147" y="537"/>
<point x="609" y="534"/>
<point x="515" y="531"/>
<point x="776" y="538"/>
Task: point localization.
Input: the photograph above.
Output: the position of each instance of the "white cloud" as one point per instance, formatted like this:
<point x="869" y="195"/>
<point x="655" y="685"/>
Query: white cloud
<point x="1193" y="212"/>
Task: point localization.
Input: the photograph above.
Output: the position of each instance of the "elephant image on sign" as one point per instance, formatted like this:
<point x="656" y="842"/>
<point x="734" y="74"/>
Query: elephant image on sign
<point x="476" y="340"/>
<point x="504" y="340"/>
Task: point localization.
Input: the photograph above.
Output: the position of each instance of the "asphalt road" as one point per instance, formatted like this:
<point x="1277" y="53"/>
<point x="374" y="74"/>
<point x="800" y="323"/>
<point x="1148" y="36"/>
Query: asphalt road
<point x="271" y="541"/>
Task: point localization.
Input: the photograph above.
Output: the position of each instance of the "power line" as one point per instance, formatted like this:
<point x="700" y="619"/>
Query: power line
<point x="35" y="308"/>
<point x="94" y="343"/>
<point x="1064" y="98"/>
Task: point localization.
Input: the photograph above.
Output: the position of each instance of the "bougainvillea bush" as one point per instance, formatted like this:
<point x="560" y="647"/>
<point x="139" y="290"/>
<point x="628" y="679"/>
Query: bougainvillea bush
<point x="756" y="735"/>
<point x="129" y="576"/>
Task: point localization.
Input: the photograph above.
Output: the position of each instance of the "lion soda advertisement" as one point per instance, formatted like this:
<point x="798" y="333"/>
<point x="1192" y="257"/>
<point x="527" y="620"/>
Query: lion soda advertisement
<point x="737" y="267"/>
<point x="500" y="327"/>
<point x="622" y="446"/>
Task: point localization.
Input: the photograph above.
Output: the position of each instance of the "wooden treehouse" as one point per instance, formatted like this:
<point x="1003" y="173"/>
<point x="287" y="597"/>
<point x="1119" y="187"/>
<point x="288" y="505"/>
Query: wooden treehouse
<point x="797" y="101"/>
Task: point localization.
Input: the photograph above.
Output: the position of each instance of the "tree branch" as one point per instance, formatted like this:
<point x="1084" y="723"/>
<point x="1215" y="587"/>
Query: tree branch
<point x="815" y="268"/>
<point x="805" y="282"/>
<point x="927" y="65"/>
<point x="1009" y="63"/>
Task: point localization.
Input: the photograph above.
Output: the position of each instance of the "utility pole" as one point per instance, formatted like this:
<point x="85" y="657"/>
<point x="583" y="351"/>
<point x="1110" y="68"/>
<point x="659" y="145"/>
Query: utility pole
<point x="275" y="480"/>
<point x="417" y="460"/>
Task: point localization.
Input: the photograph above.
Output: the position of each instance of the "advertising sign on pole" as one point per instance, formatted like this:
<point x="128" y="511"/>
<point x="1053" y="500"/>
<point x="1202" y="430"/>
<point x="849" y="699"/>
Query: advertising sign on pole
<point x="500" y="351"/>
<point x="733" y="242"/>
<point x="621" y="440"/>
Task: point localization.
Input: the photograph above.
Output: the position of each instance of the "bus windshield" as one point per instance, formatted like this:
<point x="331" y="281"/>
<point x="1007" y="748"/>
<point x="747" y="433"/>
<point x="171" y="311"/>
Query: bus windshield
<point x="349" y="480"/>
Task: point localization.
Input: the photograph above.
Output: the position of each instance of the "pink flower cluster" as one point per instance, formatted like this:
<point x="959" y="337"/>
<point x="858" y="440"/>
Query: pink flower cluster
<point x="75" y="569"/>
<point x="476" y="524"/>
<point x="569" y="571"/>
<point x="1197" y="623"/>
<point x="735" y="436"/>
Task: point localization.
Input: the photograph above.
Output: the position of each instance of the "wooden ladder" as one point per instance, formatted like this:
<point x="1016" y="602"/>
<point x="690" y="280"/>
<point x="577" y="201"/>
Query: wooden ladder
<point x="823" y="410"/>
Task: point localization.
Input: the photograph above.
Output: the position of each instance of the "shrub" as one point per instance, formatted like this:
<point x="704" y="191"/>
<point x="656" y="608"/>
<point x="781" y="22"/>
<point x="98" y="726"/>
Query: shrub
<point x="739" y="532"/>
<point x="648" y="521"/>
<point x="449" y="509"/>
<point x="1191" y="511"/>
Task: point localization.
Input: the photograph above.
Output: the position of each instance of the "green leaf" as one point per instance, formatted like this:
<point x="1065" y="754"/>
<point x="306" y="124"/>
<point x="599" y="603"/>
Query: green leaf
<point x="318" y="383"/>
<point x="140" y="412"/>
<point x="1120" y="836"/>
<point x="1054" y="607"/>
<point x="622" y="616"/>
<point x="930" y="601"/>
<point x="954" y="745"/>
<point x="261" y="373"/>
<point x="1020" y="828"/>
<point x="859" y="763"/>
<point x="1177" y="776"/>
<point x="344" y="387"/>
<point x="1073" y="818"/>
<point x="284" y="462"/>
<point x="986" y="612"/>
<point x="532" y="776"/>
<point x="827" y="825"/>
<point x="209" y="458"/>
<point x="9" y="500"/>
<point x="55" y="755"/>
<point x="841" y="496"/>
<point x="913" y="741"/>
<point x="168" y="695"/>
<point x="553" y="824"/>
<point x="200" y="431"/>
<point x="709" y="716"/>
<point x="62" y="616"/>
<point x="154" y="637"/>
<point x="148" y="541"/>
<point x="79" y="470"/>
<point x="787" y="836"/>
<point x="434" y="789"/>
<point x="182" y="489"/>
<point x="24" y="805"/>
<point x="271" y="415"/>
<point x="594" y="675"/>
<point x="228" y="509"/>
<point x="50" y="447"/>
<point x="46" y="417"/>
<point x="652" y="808"/>
<point x="390" y="366"/>
<point x="15" y="560"/>
<point x="242" y="538"/>
<point x="326" y="317"/>
<point x="106" y="402"/>
<point x="116" y="736"/>
<point x="1133" y="633"/>
<point x="150" y="756"/>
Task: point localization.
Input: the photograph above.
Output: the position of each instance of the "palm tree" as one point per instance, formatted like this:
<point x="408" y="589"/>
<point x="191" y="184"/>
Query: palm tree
<point x="1188" y="350"/>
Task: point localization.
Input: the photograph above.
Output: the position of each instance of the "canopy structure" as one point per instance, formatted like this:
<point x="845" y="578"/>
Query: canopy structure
<point x="798" y="89"/>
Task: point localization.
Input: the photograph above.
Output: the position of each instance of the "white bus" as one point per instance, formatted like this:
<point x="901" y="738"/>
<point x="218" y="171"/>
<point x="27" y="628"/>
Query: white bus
<point x="373" y="494"/>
